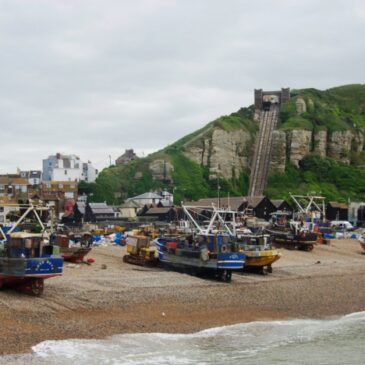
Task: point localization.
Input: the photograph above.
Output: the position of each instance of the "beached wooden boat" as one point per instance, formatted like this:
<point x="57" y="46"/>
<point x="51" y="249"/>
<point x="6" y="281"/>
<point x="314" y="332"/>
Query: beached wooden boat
<point x="258" y="251"/>
<point x="27" y="260"/>
<point x="293" y="235"/>
<point x="73" y="248"/>
<point x="362" y="242"/>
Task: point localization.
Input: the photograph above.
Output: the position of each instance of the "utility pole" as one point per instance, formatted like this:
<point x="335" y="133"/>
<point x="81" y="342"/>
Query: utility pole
<point x="218" y="188"/>
<point x="110" y="160"/>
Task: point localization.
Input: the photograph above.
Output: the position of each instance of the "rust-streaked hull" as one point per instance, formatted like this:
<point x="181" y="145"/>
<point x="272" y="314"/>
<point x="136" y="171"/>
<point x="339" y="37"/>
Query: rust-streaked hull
<point x="74" y="254"/>
<point x="362" y="243"/>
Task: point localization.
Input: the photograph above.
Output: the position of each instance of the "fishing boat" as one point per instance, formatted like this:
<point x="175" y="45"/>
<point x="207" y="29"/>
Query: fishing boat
<point x="258" y="251"/>
<point x="27" y="259"/>
<point x="73" y="247"/>
<point x="203" y="251"/>
<point x="362" y="242"/>
<point x="254" y="243"/>
<point x="291" y="234"/>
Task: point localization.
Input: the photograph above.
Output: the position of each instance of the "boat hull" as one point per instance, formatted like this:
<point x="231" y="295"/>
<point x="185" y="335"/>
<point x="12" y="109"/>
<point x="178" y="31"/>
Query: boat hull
<point x="199" y="260"/>
<point x="28" y="274"/>
<point x="293" y="241"/>
<point x="74" y="254"/>
<point x="261" y="258"/>
<point x="362" y="244"/>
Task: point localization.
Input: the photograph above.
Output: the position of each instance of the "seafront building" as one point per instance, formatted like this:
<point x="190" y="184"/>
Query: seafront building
<point x="61" y="167"/>
<point x="34" y="176"/>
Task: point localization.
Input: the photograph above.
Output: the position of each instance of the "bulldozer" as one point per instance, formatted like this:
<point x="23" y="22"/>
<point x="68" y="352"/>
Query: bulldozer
<point x="139" y="251"/>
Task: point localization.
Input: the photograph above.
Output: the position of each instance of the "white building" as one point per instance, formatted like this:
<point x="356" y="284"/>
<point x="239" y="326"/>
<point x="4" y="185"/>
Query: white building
<point x="168" y="199"/>
<point x="68" y="168"/>
<point x="146" y="199"/>
<point x="89" y="173"/>
<point x="150" y="198"/>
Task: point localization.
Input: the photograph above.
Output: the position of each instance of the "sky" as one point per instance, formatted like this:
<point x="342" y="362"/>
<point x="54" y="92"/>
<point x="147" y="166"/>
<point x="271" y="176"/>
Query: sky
<point x="94" y="78"/>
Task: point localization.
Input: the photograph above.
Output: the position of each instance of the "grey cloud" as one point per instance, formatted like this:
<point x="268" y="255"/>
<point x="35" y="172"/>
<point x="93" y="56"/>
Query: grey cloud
<point x="93" y="78"/>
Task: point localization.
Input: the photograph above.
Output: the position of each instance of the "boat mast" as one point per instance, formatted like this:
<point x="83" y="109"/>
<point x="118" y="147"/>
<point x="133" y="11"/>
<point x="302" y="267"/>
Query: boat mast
<point x="31" y="208"/>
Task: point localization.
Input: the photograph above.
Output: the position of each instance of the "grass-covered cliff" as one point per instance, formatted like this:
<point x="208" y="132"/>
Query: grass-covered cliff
<point x="222" y="150"/>
<point x="337" y="109"/>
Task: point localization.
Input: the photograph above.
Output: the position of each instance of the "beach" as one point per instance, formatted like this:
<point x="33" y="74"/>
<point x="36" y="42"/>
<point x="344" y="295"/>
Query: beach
<point x="111" y="297"/>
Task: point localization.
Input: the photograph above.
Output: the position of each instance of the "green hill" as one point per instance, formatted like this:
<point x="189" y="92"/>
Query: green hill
<point x="337" y="109"/>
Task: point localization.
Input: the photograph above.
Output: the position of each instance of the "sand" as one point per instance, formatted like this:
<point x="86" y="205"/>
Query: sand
<point x="92" y="302"/>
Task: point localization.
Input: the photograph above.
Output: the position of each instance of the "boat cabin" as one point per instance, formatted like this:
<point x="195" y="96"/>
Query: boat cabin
<point x="26" y="254"/>
<point x="29" y="245"/>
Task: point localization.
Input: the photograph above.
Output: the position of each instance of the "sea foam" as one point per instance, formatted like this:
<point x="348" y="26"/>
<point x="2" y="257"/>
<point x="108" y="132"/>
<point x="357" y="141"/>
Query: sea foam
<point x="300" y="341"/>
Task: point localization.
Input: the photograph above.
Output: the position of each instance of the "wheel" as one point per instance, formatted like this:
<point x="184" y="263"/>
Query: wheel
<point x="125" y="258"/>
<point x="269" y="269"/>
<point x="37" y="287"/>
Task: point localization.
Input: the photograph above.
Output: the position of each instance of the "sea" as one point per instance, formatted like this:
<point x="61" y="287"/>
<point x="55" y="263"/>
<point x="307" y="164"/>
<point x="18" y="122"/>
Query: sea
<point x="332" y="341"/>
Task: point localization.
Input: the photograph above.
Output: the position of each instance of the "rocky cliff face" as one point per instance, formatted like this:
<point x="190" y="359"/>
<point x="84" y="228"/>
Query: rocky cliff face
<point x="161" y="170"/>
<point x="342" y="143"/>
<point x="230" y="152"/>
<point x="298" y="143"/>
<point x="320" y="143"/>
<point x="278" y="155"/>
<point x="223" y="152"/>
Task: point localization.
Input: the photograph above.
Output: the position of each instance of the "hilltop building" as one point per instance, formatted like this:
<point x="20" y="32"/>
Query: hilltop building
<point x="68" y="168"/>
<point x="127" y="156"/>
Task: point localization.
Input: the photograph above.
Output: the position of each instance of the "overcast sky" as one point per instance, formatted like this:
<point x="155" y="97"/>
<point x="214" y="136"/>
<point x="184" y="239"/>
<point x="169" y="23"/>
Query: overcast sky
<point x="96" y="77"/>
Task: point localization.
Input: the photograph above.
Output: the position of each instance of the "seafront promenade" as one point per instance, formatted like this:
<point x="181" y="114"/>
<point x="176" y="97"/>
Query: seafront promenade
<point x="111" y="297"/>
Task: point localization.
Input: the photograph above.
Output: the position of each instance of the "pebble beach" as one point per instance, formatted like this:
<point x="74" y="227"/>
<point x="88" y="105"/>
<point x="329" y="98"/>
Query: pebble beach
<point x="112" y="297"/>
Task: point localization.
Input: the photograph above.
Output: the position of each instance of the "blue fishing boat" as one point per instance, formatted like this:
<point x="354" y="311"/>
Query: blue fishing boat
<point x="202" y="251"/>
<point x="27" y="260"/>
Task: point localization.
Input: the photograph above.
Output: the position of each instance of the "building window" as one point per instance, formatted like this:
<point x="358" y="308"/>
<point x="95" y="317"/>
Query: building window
<point x="60" y="186"/>
<point x="1" y="209"/>
<point x="65" y="172"/>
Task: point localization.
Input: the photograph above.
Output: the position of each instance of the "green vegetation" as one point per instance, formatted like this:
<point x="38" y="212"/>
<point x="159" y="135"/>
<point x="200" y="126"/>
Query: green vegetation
<point x="337" y="109"/>
<point x="333" y="179"/>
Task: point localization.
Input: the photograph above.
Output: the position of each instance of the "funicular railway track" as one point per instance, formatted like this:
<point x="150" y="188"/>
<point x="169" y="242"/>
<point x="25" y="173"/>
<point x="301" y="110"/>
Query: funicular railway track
<point x="262" y="154"/>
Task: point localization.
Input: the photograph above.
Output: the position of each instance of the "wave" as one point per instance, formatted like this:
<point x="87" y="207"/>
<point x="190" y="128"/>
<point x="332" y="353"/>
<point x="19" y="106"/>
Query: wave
<point x="300" y="341"/>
